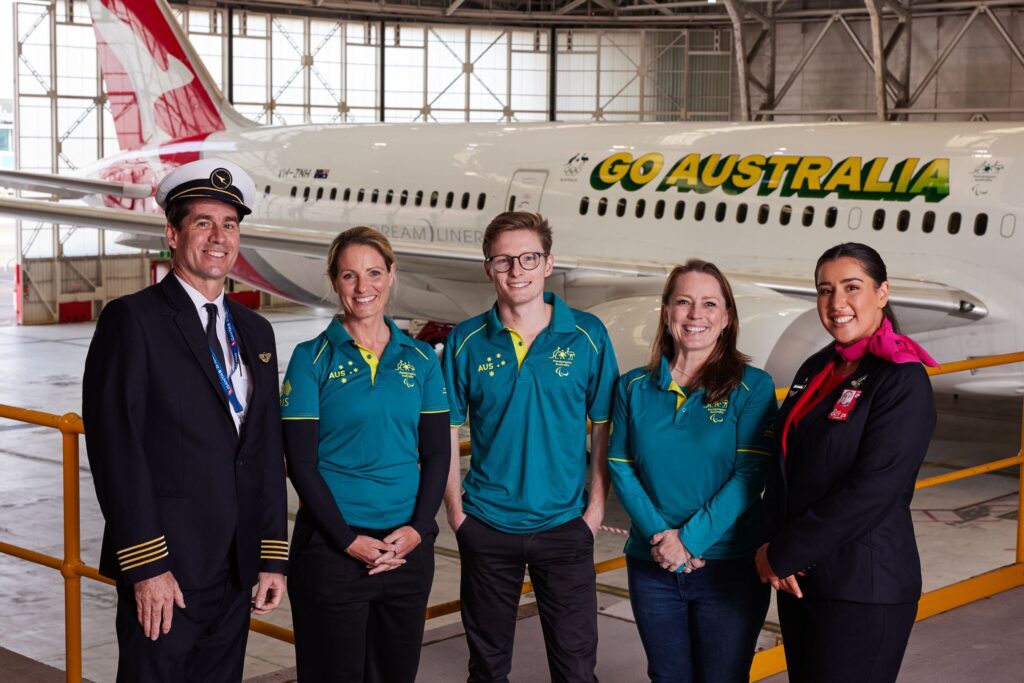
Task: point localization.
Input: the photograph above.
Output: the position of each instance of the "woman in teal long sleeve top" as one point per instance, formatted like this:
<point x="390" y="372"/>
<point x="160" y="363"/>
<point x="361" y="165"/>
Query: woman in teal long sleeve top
<point x="690" y="445"/>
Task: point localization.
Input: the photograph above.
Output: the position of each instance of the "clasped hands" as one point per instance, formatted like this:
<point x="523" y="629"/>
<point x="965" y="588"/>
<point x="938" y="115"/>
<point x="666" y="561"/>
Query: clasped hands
<point x="384" y="555"/>
<point x="669" y="552"/>
<point x="767" y="574"/>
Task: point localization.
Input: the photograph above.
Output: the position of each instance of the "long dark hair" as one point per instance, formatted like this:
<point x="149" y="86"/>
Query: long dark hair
<point x="869" y="260"/>
<point x="723" y="370"/>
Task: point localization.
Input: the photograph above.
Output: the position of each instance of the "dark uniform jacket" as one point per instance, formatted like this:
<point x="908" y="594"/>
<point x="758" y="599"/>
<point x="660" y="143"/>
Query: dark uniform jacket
<point x="838" y="505"/>
<point x="179" y="487"/>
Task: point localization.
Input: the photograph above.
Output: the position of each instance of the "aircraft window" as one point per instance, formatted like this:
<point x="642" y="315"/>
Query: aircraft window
<point x="720" y="212"/>
<point x="389" y="197"/>
<point x="346" y="195"/>
<point x="465" y="200"/>
<point x="954" y="223"/>
<point x="449" y="199"/>
<point x="785" y="213"/>
<point x="434" y="196"/>
<point x="903" y="220"/>
<point x="305" y="194"/>
<point x="620" y="207"/>
<point x="334" y="193"/>
<point x="294" y="190"/>
<point x="419" y="197"/>
<point x="808" y="216"/>
<point x="602" y="206"/>
<point x="741" y="212"/>
<point x="980" y="224"/>
<point x="831" y="213"/>
<point x="878" y="219"/>
<point x="374" y="196"/>
<point x="481" y="201"/>
<point x="266" y="190"/>
<point x="512" y="203"/>
<point x="698" y="211"/>
<point x="403" y="198"/>
<point x="641" y="206"/>
<point x="361" y="195"/>
<point x="928" y="221"/>
<point x="584" y="205"/>
<point x="659" y="208"/>
<point x="762" y="214"/>
<point x="680" y="209"/>
<point x="319" y="193"/>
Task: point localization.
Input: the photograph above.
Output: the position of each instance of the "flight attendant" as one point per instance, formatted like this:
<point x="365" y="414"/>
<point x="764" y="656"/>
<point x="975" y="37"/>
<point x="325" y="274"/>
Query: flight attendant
<point x="691" y="440"/>
<point x="367" y="443"/>
<point x="851" y="437"/>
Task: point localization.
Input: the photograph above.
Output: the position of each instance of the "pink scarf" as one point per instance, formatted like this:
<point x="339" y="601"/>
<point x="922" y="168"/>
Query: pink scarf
<point x="887" y="345"/>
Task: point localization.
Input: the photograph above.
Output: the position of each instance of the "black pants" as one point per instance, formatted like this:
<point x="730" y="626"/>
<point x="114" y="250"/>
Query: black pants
<point x="833" y="641"/>
<point x="351" y="627"/>
<point x="206" y="643"/>
<point x="561" y="563"/>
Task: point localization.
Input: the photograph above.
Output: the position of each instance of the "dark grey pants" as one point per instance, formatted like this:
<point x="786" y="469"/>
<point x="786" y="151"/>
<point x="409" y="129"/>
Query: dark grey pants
<point x="561" y="562"/>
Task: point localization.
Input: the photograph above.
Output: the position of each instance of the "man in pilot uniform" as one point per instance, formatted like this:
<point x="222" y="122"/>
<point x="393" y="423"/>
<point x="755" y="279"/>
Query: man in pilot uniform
<point x="182" y="426"/>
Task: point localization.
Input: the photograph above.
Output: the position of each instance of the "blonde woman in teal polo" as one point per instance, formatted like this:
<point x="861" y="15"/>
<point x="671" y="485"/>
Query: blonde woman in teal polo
<point x="367" y="442"/>
<point x="691" y="439"/>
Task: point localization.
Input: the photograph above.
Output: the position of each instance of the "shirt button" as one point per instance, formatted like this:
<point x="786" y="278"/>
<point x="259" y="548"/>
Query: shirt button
<point x="239" y="462"/>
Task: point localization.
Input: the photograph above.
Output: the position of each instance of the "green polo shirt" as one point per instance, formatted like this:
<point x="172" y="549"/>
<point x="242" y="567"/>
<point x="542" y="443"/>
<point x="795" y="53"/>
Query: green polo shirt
<point x="677" y="463"/>
<point x="369" y="411"/>
<point x="528" y="423"/>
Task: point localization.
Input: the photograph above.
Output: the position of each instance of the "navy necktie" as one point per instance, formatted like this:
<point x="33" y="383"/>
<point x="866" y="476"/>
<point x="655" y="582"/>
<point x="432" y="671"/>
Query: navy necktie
<point x="211" y="334"/>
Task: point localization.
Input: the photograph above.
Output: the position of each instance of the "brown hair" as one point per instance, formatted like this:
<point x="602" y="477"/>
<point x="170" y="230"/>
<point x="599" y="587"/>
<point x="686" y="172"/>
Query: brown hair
<point x="723" y="370"/>
<point x="518" y="220"/>
<point x="869" y="259"/>
<point x="359" y="235"/>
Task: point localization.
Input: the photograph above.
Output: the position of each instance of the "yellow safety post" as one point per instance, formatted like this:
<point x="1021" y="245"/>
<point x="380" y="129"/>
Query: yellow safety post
<point x="69" y="568"/>
<point x="1020" y="494"/>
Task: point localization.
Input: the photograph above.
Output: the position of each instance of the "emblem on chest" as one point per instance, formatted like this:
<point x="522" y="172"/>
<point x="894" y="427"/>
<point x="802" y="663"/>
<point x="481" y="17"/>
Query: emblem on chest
<point x="562" y="360"/>
<point x="408" y="373"/>
<point x="717" y="411"/>
<point x="492" y="363"/>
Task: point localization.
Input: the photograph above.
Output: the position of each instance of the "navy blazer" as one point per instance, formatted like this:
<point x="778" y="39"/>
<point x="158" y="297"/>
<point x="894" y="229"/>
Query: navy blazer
<point x="838" y="504"/>
<point x="179" y="487"/>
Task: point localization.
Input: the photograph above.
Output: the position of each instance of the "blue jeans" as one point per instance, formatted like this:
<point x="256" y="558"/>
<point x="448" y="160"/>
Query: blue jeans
<point x="700" y="627"/>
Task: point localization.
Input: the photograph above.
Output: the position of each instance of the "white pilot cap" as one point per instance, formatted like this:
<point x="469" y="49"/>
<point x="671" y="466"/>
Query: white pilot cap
<point x="208" y="179"/>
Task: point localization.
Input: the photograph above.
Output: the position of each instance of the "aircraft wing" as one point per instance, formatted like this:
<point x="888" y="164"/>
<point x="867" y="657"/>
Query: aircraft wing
<point x="66" y="187"/>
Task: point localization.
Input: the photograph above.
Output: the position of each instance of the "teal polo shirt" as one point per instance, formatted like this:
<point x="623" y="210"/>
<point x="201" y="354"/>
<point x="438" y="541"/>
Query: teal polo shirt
<point x="369" y="411"/>
<point x="528" y="423"/>
<point x="677" y="463"/>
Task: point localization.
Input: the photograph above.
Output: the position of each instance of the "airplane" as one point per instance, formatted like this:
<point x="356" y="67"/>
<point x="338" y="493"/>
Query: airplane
<point x="627" y="201"/>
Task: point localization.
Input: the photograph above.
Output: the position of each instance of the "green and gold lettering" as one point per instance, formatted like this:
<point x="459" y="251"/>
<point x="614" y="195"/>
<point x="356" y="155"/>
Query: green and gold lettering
<point x="684" y="175"/>
<point x="642" y="171"/>
<point x="611" y="170"/>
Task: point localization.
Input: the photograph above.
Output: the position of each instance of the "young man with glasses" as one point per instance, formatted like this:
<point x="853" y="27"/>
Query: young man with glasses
<point x="527" y="374"/>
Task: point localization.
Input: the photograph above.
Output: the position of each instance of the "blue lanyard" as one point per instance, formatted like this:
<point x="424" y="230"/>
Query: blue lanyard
<point x="225" y="379"/>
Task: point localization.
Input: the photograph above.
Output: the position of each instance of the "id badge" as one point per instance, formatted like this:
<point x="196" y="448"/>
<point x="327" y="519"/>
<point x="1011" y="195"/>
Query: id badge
<point x="845" y="405"/>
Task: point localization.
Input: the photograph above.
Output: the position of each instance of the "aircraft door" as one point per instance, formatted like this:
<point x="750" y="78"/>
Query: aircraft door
<point x="526" y="190"/>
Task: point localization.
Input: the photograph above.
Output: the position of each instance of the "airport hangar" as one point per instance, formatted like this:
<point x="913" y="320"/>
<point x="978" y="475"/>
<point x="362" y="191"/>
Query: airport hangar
<point x="328" y="61"/>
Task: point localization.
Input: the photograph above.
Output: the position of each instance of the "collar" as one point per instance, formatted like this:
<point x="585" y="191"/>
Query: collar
<point x="562" y="318"/>
<point x="340" y="337"/>
<point x="664" y="380"/>
<point x="198" y="299"/>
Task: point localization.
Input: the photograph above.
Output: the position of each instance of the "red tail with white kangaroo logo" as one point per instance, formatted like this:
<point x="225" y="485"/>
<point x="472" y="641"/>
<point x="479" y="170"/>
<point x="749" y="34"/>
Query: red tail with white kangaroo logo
<point x="158" y="88"/>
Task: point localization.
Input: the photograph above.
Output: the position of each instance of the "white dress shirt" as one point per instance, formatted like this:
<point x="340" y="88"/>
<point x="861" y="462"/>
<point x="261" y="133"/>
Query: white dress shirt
<point x="239" y="375"/>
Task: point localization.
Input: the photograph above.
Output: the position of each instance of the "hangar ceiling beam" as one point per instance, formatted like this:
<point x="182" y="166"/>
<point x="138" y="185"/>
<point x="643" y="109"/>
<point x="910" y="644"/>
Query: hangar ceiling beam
<point x="806" y="57"/>
<point x="456" y="4"/>
<point x="1005" y="35"/>
<point x="877" y="60"/>
<point x="950" y="46"/>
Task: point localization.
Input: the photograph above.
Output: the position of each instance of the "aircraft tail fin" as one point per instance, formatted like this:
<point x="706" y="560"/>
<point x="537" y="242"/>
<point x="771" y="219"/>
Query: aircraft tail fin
<point x="158" y="88"/>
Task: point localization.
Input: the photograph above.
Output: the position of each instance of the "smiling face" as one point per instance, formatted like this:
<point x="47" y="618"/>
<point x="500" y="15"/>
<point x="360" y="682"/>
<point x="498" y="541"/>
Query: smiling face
<point x="519" y="286"/>
<point x="363" y="283"/>
<point x="206" y="244"/>
<point x="850" y="303"/>
<point x="695" y="313"/>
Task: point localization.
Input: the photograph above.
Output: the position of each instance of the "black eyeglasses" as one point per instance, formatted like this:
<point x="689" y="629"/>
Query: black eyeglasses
<point x="528" y="261"/>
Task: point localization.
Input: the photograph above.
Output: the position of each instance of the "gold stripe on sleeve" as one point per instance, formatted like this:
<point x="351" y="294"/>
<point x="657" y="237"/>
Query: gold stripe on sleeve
<point x="158" y="539"/>
<point x="147" y="560"/>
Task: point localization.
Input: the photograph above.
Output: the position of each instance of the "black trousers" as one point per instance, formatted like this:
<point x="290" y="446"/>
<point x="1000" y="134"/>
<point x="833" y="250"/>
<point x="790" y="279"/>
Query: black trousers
<point x="351" y="627"/>
<point x="561" y="563"/>
<point x="833" y="641"/>
<point x="206" y="643"/>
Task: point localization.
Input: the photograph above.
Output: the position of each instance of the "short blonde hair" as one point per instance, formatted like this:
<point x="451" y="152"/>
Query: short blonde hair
<point x="359" y="235"/>
<point x="517" y="220"/>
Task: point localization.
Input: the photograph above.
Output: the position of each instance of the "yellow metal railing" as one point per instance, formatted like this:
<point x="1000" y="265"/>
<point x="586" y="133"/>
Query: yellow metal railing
<point x="766" y="663"/>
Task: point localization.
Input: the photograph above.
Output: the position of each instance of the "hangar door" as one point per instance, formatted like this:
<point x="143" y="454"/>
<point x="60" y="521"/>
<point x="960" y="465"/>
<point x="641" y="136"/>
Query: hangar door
<point x="525" y="191"/>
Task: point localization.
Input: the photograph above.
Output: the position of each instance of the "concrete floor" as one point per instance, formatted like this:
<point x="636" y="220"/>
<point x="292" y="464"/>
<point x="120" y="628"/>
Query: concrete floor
<point x="963" y="529"/>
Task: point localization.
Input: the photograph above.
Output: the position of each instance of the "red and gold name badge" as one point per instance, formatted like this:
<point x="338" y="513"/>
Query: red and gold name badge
<point x="844" y="406"/>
